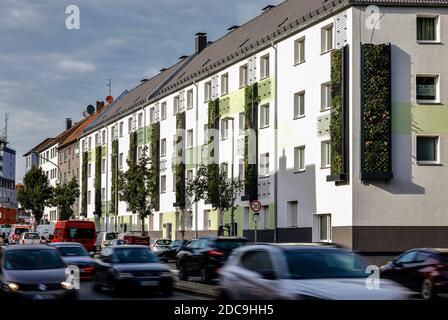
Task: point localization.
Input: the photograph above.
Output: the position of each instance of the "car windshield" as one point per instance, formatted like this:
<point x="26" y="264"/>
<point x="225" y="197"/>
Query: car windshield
<point x="32" y="236"/>
<point x="73" y="251"/>
<point x="229" y="245"/>
<point x="19" y="231"/>
<point x="163" y="242"/>
<point x="175" y="243"/>
<point x="37" y="259"/>
<point x="111" y="236"/>
<point x="80" y="233"/>
<point x="316" y="264"/>
<point x="133" y="255"/>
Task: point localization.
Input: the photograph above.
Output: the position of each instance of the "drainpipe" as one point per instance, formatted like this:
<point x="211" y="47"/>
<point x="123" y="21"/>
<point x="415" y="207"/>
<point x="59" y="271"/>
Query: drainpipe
<point x="107" y="178"/>
<point x="196" y="215"/>
<point x="274" y="46"/>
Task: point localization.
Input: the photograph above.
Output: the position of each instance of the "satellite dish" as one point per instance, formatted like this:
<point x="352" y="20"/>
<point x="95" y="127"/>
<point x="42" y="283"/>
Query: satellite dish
<point x="109" y="99"/>
<point x="90" y="109"/>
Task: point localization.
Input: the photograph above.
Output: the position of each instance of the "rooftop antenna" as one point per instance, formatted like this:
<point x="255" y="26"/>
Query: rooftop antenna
<point x="109" y="84"/>
<point x="5" y="130"/>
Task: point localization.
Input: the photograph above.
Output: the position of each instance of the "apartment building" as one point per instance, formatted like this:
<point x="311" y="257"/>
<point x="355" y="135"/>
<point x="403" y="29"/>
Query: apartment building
<point x="8" y="194"/>
<point x="339" y="157"/>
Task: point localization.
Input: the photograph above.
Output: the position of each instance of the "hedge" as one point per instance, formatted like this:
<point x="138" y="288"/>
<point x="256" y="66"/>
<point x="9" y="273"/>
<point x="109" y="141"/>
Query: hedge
<point x="155" y="163"/>
<point x="85" y="157"/>
<point x="180" y="165"/>
<point x="337" y="114"/>
<point x="98" y="204"/>
<point x="114" y="160"/>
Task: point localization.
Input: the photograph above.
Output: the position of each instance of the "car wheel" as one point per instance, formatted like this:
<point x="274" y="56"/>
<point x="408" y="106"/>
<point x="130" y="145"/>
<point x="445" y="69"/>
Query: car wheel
<point x="427" y="290"/>
<point x="182" y="275"/>
<point x="205" y="275"/>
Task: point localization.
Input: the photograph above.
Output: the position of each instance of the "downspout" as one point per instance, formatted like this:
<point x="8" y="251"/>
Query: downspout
<point x="274" y="46"/>
<point x="196" y="215"/>
<point x="107" y="178"/>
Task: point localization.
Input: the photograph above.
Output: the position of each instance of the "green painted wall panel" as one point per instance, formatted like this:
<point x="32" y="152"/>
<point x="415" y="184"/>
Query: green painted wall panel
<point x="410" y="118"/>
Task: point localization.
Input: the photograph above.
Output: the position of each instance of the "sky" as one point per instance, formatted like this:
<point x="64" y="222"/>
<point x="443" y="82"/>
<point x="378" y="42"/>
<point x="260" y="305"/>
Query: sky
<point x="49" y="73"/>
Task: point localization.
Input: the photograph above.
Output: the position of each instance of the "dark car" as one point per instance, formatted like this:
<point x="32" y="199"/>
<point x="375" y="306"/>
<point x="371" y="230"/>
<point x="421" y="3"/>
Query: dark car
<point x="173" y="249"/>
<point x="422" y="270"/>
<point x="204" y="256"/>
<point x="75" y="254"/>
<point x="124" y="267"/>
<point x="34" y="272"/>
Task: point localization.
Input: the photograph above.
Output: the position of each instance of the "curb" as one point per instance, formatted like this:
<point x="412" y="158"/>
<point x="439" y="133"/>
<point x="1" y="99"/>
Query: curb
<point x="198" y="289"/>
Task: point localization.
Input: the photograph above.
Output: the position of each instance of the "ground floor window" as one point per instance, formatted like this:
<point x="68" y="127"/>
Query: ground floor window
<point x="292" y="214"/>
<point x="427" y="149"/>
<point x="324" y="227"/>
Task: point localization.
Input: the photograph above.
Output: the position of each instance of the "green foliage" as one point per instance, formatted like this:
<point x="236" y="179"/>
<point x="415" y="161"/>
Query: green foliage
<point x="133" y="146"/>
<point x="85" y="157"/>
<point x="180" y="164"/>
<point x="136" y="186"/>
<point x="64" y="198"/>
<point x="250" y="170"/>
<point x="377" y="109"/>
<point x="337" y="114"/>
<point x="114" y="165"/>
<point x="155" y="161"/>
<point x="98" y="204"/>
<point x="36" y="193"/>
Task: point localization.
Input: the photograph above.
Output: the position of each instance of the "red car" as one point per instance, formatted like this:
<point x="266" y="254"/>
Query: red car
<point x="82" y="232"/>
<point x="422" y="270"/>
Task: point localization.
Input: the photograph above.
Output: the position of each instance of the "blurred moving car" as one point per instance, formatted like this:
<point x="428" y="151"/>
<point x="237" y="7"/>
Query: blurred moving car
<point x="75" y="254"/>
<point x="134" y="238"/>
<point x="120" y="268"/>
<point x="171" y="252"/>
<point x="30" y="238"/>
<point x="422" y="270"/>
<point x="204" y="256"/>
<point x="160" y="245"/>
<point x="75" y="231"/>
<point x="16" y="232"/>
<point x="34" y="272"/>
<point x="103" y="239"/>
<point x="308" y="272"/>
<point x="116" y="242"/>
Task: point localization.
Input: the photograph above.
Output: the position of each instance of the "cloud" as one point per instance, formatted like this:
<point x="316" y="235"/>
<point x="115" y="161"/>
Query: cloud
<point x="71" y="66"/>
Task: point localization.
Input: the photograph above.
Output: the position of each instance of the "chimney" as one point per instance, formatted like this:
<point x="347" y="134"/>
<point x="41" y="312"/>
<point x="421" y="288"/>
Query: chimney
<point x="68" y="123"/>
<point x="200" y="41"/>
<point x="99" y="105"/>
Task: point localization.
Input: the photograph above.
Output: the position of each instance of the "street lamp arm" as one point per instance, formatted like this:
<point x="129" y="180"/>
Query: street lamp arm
<point x="48" y="160"/>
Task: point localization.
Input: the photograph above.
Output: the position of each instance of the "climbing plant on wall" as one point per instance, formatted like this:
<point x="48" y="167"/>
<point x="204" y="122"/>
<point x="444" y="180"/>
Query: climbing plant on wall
<point x="85" y="157"/>
<point x="133" y="147"/>
<point x="114" y="165"/>
<point x="213" y="143"/>
<point x="180" y="164"/>
<point x="376" y="116"/>
<point x="98" y="200"/>
<point x="337" y="114"/>
<point x="155" y="164"/>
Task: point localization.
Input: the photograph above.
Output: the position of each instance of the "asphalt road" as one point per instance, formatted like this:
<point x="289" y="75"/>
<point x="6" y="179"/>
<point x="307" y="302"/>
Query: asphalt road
<point x="86" y="293"/>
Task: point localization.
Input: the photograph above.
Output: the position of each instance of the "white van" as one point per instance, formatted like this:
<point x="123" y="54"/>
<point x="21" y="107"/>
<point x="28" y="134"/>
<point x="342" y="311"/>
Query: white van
<point x="45" y="230"/>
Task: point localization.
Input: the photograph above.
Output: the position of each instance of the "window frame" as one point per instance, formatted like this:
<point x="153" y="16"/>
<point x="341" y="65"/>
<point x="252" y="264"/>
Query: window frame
<point x="298" y="105"/>
<point x="163" y="110"/>
<point x="190" y="99"/>
<point x="298" y="44"/>
<point x="428" y="162"/>
<point x="328" y="99"/>
<point x="324" y="32"/>
<point x="428" y="75"/>
<point x="264" y="167"/>
<point x="325" y="154"/>
<point x="267" y="121"/>
<point x="329" y="227"/>
<point x="265" y="71"/>
<point x="437" y="26"/>
<point x="244" y="76"/>
<point x="207" y="91"/>
<point x="301" y="148"/>
<point x="225" y="88"/>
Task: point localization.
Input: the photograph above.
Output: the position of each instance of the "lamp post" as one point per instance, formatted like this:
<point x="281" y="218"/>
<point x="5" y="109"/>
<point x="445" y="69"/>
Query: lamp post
<point x="232" y="213"/>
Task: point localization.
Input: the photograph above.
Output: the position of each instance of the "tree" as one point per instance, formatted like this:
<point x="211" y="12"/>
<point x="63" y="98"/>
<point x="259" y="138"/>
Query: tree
<point x="135" y="187"/>
<point x="213" y="185"/>
<point x="36" y="193"/>
<point x="64" y="196"/>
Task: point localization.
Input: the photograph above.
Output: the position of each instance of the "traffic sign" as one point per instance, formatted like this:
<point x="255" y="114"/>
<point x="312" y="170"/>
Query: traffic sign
<point x="255" y="206"/>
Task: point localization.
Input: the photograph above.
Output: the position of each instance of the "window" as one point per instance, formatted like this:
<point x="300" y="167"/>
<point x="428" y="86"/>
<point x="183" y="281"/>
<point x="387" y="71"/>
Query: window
<point x="190" y="138"/>
<point x="205" y="133"/>
<point x="140" y="120"/>
<point x="103" y="166"/>
<point x="189" y="175"/>
<point x="407" y="257"/>
<point x="257" y="261"/>
<point x="243" y="76"/>
<point x="241" y="169"/>
<point x="327" y="38"/>
<point x="242" y="122"/>
<point x="264" y="218"/>
<point x="163" y="147"/>
<point x="325" y="96"/>
<point x="224" y="84"/>
<point x="299" y="159"/>
<point x="163" y="110"/>
<point x="120" y="161"/>
<point x="189" y="99"/>
<point x="299" y="105"/>
<point x="264" y="116"/>
<point x="225" y="168"/>
<point x="264" y="66"/>
<point x="292" y="214"/>
<point x="207" y="91"/>
<point x="90" y="143"/>
<point x="299" y="51"/>
<point x="427" y="88"/>
<point x="264" y="164"/>
<point x="427" y="150"/>
<point x="324" y="227"/>
<point x="89" y="197"/>
<point x="326" y="154"/>
<point x="130" y="125"/>
<point x="427" y="29"/>
<point x="89" y="170"/>
<point x="121" y="129"/>
<point x="175" y="105"/>
<point x="224" y="129"/>
<point x="163" y="184"/>
<point x="152" y="115"/>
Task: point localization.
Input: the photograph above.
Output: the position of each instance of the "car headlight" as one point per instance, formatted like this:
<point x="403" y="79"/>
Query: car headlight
<point x="13" y="286"/>
<point x="122" y="275"/>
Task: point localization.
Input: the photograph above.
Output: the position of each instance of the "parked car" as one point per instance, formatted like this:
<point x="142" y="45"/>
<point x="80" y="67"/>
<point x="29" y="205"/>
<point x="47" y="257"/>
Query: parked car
<point x="75" y="231"/>
<point x="304" y="272"/>
<point x="103" y="239"/>
<point x="135" y="238"/>
<point x="120" y="268"/>
<point x="171" y="252"/>
<point x="160" y="245"/>
<point x="30" y="238"/>
<point x="45" y="230"/>
<point x="16" y="232"/>
<point x="34" y="272"/>
<point x="5" y="230"/>
<point x="75" y="254"/>
<point x="204" y="256"/>
<point x="422" y="270"/>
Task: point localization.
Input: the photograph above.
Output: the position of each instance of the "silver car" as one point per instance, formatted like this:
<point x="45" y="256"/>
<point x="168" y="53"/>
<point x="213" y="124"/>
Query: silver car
<point x="289" y="272"/>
